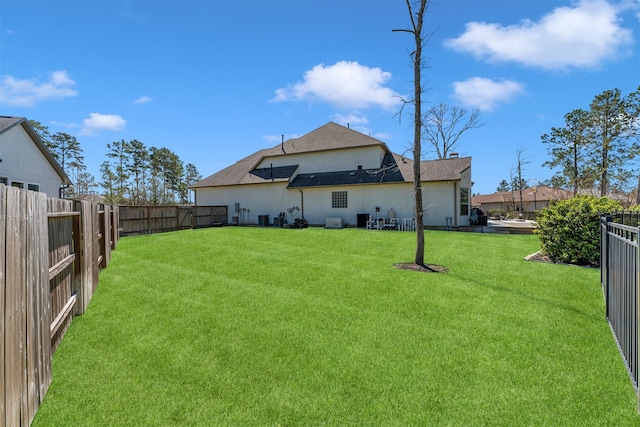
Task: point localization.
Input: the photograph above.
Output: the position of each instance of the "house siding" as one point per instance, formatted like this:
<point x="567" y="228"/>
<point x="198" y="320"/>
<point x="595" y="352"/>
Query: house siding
<point x="304" y="173"/>
<point x="269" y="199"/>
<point x="328" y="161"/>
<point x="22" y="161"/>
<point x="361" y="199"/>
<point x="440" y="200"/>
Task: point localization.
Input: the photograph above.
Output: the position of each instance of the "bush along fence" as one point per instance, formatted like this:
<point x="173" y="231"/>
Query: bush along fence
<point x="619" y="269"/>
<point x="52" y="252"/>
<point x="159" y="219"/>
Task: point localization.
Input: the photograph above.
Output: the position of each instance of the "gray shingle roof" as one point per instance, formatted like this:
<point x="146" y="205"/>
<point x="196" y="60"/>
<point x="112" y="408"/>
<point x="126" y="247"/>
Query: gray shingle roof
<point x="279" y="172"/>
<point x="434" y="170"/>
<point x="395" y="168"/>
<point x="331" y="136"/>
<point x="542" y="194"/>
<point x="7" y="122"/>
<point x="388" y="172"/>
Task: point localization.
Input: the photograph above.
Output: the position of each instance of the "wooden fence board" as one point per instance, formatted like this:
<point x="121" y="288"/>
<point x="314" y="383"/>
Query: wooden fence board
<point x="49" y="263"/>
<point x="157" y="219"/>
<point x="115" y="224"/>
<point x="32" y="289"/>
<point x="60" y="228"/>
<point x="3" y="285"/>
<point x="185" y="215"/>
<point x="3" y="282"/>
<point x="42" y="302"/>
<point x="82" y="227"/>
<point x="92" y="246"/>
<point x="14" y="316"/>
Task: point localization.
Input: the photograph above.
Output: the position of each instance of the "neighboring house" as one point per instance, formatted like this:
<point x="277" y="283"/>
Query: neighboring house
<point x="25" y="161"/>
<point x="533" y="199"/>
<point x="336" y="172"/>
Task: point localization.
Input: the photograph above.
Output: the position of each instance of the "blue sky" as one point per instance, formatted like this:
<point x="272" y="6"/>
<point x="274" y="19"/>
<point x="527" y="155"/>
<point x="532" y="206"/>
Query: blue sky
<point x="215" y="81"/>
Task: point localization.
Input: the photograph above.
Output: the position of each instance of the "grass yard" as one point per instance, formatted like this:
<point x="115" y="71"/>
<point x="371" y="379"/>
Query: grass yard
<point x="267" y="326"/>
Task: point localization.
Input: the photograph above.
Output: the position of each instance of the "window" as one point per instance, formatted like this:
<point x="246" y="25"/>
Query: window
<point x="3" y="180"/>
<point x="17" y="184"/>
<point x="338" y="199"/>
<point x="464" y="201"/>
<point x="33" y="187"/>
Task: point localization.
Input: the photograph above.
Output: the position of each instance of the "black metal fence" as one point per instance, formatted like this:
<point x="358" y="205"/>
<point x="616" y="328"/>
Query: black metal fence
<point x="619" y="278"/>
<point x="631" y="218"/>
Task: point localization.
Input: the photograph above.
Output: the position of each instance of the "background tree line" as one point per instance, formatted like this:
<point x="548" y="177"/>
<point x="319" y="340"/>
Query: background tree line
<point x="597" y="148"/>
<point x="595" y="152"/>
<point x="132" y="174"/>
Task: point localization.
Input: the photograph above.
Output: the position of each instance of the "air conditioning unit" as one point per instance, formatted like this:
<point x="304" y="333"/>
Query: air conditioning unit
<point x="333" y="222"/>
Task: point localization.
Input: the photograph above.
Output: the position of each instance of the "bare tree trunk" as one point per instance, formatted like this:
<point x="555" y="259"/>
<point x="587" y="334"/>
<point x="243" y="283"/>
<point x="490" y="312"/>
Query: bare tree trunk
<point x="521" y="163"/>
<point x="416" y="30"/>
<point x="417" y="137"/>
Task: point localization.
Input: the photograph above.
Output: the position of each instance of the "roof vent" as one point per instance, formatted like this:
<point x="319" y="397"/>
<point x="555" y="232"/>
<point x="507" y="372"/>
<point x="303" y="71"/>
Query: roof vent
<point x="453" y="155"/>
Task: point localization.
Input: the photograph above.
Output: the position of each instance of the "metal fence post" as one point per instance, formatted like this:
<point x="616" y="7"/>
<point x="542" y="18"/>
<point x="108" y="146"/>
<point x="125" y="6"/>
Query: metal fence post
<point x="604" y="268"/>
<point x="637" y="314"/>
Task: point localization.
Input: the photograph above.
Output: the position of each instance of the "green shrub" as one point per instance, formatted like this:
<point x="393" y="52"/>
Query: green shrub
<point x="569" y="230"/>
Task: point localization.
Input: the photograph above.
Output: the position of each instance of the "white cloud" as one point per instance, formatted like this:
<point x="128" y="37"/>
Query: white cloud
<point x="353" y="121"/>
<point x="581" y="36"/>
<point x="27" y="92"/>
<point x="350" y="119"/>
<point x="143" y="100"/>
<point x="98" y="122"/>
<point x="484" y="94"/>
<point x="64" y="125"/>
<point x="345" y="84"/>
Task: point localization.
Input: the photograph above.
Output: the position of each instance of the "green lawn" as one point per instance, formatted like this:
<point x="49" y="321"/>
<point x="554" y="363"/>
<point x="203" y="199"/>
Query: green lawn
<point x="266" y="326"/>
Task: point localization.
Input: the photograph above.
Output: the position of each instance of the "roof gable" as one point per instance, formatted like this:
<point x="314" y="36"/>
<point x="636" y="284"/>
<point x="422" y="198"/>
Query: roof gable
<point x="7" y="123"/>
<point x="331" y="136"/>
<point x="394" y="168"/>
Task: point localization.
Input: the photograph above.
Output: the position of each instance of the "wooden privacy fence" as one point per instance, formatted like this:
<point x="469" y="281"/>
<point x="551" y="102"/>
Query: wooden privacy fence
<point x="619" y="265"/>
<point x="52" y="251"/>
<point x="159" y="219"/>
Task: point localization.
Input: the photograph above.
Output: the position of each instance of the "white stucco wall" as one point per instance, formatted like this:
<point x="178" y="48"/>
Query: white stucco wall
<point x="361" y="199"/>
<point x="22" y="161"/>
<point x="264" y="199"/>
<point x="272" y="198"/>
<point x="328" y="161"/>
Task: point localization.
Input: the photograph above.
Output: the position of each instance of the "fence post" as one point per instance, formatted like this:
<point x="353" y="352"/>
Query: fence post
<point x="604" y="268"/>
<point x="637" y="314"/>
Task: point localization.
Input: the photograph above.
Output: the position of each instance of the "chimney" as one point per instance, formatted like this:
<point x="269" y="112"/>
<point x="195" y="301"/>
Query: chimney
<point x="453" y="155"/>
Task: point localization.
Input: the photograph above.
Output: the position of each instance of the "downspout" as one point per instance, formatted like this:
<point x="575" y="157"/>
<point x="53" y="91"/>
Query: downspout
<point x="301" y="203"/>
<point x="455" y="204"/>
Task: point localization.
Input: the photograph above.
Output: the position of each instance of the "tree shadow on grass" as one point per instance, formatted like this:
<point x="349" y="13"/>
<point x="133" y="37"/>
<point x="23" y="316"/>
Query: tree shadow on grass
<point x="421" y="268"/>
